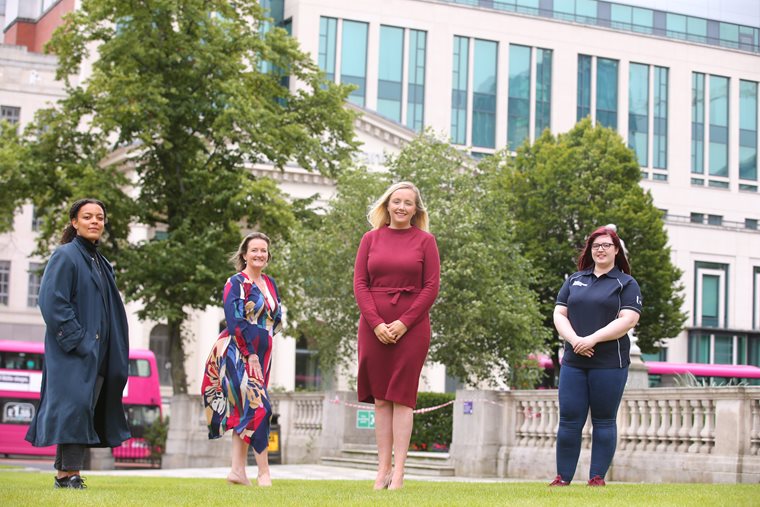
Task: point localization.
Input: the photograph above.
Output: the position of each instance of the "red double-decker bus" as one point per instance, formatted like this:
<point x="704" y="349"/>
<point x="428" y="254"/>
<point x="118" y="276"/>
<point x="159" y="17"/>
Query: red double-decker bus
<point x="20" y="380"/>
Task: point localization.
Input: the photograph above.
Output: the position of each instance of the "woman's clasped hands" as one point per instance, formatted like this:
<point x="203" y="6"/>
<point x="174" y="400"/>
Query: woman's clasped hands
<point x="584" y="346"/>
<point x="390" y="334"/>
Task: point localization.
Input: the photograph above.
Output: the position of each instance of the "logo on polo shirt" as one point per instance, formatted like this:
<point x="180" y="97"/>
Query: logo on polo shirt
<point x="578" y="282"/>
<point x="638" y="300"/>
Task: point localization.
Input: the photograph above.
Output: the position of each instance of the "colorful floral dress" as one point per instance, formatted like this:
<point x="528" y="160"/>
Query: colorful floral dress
<point x="232" y="396"/>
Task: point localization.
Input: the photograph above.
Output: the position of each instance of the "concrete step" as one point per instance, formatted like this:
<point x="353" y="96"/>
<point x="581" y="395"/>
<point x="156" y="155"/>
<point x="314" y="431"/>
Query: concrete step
<point x="418" y="463"/>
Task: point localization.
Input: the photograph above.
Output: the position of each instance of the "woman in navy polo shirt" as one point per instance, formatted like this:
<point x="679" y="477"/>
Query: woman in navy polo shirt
<point x="596" y="307"/>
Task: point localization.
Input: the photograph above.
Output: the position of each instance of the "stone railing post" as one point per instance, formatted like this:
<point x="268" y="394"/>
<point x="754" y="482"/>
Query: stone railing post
<point x="334" y="418"/>
<point x="187" y="444"/>
<point x="732" y="419"/>
<point x="477" y="434"/>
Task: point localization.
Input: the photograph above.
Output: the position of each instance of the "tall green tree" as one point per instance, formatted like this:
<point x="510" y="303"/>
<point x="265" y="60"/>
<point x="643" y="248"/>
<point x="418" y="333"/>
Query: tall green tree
<point x="485" y="321"/>
<point x="174" y="108"/>
<point x="561" y="189"/>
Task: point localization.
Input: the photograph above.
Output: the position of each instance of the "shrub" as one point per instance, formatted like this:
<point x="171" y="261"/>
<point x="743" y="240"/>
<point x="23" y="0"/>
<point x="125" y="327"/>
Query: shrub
<point x="432" y="430"/>
<point x="155" y="436"/>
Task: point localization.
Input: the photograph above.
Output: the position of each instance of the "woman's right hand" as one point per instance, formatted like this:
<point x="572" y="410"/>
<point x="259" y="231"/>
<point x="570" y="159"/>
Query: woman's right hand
<point x="384" y="334"/>
<point x="254" y="367"/>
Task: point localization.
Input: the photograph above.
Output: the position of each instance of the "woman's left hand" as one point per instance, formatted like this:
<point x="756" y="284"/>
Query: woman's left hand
<point x="397" y="329"/>
<point x="584" y="346"/>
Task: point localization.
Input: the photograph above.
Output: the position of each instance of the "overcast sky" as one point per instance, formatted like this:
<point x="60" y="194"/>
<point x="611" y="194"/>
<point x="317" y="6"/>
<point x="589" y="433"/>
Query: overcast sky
<point x="743" y="12"/>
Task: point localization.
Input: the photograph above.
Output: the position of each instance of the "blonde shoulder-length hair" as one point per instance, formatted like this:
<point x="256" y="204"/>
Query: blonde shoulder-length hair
<point x="378" y="215"/>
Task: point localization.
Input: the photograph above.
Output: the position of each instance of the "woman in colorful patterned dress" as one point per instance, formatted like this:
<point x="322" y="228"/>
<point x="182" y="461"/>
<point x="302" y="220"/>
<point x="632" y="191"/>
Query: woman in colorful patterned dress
<point x="396" y="280"/>
<point x="237" y="370"/>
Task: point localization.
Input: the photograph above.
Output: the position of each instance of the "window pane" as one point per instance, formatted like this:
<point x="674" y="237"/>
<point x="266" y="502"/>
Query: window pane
<point x="606" y="92"/>
<point x="459" y="90"/>
<point x="353" y="64"/>
<point x="584" y="87"/>
<point x="643" y="20"/>
<point x="697" y="123"/>
<point x="676" y="26"/>
<point x="638" y="112"/>
<point x="718" y="126"/>
<point x="33" y="287"/>
<point x="390" y="72"/>
<point x="699" y="348"/>
<point x="5" y="279"/>
<point x="518" y="118"/>
<point x="723" y="348"/>
<point x="543" y="90"/>
<point x="710" y="299"/>
<point x="621" y="16"/>
<point x="327" y="44"/>
<point x="660" y="139"/>
<point x="484" y="94"/>
<point x="748" y="130"/>
<point x="415" y="108"/>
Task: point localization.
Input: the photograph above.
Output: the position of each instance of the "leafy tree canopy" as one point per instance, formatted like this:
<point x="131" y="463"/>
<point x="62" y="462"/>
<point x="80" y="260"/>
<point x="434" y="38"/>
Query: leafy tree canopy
<point x="169" y="103"/>
<point x="561" y="189"/>
<point x="486" y="319"/>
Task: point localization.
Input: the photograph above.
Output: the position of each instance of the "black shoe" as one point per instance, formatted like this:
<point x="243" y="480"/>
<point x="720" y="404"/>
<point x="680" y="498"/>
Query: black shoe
<point x="70" y="482"/>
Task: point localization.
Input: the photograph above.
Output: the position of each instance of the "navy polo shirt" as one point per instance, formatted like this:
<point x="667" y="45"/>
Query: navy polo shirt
<point x="592" y="303"/>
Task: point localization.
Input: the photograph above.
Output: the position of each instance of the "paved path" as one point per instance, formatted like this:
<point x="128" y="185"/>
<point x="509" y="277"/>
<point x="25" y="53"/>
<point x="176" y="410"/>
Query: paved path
<point x="279" y="472"/>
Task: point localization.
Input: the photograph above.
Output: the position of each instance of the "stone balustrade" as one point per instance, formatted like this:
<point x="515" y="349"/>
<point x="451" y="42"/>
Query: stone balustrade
<point x="707" y="434"/>
<point x="664" y="434"/>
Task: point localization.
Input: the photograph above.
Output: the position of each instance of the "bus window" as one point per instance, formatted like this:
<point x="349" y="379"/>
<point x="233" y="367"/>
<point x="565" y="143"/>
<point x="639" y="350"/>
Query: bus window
<point x="139" y="368"/>
<point x="20" y="360"/>
<point x="139" y="417"/>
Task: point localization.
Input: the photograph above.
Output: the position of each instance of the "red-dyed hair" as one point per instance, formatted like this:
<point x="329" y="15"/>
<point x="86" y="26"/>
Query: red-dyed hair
<point x="585" y="259"/>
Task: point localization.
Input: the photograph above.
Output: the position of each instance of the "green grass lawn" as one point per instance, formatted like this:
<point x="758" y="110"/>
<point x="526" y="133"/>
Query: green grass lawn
<point x="32" y="488"/>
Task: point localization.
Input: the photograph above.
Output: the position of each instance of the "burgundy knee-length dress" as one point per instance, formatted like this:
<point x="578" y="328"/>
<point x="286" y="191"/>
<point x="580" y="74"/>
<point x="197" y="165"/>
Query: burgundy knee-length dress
<point x="396" y="277"/>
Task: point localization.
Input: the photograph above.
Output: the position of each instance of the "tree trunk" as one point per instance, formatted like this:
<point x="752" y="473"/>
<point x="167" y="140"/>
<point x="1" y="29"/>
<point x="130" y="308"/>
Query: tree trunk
<point x="177" y="355"/>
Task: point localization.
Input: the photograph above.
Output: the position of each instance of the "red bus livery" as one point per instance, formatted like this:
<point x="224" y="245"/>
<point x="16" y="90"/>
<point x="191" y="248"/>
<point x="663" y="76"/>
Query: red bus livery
<point x="20" y="381"/>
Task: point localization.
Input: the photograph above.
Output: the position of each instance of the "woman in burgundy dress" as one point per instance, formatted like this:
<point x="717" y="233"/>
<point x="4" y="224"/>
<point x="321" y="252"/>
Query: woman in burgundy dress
<point x="396" y="279"/>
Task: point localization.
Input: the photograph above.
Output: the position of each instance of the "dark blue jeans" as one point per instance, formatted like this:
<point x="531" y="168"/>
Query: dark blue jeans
<point x="581" y="389"/>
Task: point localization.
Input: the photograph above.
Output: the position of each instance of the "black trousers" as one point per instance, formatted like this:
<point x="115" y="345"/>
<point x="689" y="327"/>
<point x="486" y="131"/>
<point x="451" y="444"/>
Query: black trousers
<point x="71" y="456"/>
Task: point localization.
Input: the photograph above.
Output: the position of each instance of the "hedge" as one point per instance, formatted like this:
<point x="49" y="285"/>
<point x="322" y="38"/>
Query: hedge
<point x="432" y="430"/>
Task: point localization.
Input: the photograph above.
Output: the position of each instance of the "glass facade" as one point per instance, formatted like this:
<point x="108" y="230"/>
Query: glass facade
<point x="353" y="63"/>
<point x="633" y="19"/>
<point x="584" y="87"/>
<point x="484" y="93"/>
<point x="638" y="112"/>
<point x="718" y="126"/>
<point x="518" y="107"/>
<point x="607" y="92"/>
<point x="328" y="29"/>
<point x="748" y="133"/>
<point x="543" y="90"/>
<point x="390" y="72"/>
<point x="415" y="108"/>
<point x="660" y="137"/>
<point x="697" y="123"/>
<point x="460" y="70"/>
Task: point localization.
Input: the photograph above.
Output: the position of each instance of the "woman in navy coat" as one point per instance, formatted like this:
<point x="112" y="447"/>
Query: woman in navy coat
<point x="86" y="349"/>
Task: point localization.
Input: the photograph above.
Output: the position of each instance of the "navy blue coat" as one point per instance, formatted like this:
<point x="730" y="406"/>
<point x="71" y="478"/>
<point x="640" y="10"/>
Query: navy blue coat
<point x="81" y="310"/>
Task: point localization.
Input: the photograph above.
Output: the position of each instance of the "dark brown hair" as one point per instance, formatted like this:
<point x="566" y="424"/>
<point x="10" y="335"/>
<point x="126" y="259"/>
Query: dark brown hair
<point x="69" y="233"/>
<point x="238" y="258"/>
<point x="585" y="259"/>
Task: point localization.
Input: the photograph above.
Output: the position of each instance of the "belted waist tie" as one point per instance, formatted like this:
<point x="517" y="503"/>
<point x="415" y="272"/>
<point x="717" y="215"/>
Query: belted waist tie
<point x="395" y="291"/>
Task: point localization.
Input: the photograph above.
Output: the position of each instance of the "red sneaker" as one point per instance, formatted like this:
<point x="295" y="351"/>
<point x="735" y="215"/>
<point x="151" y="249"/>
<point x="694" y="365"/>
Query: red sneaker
<point x="559" y="482"/>
<point x="596" y="481"/>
